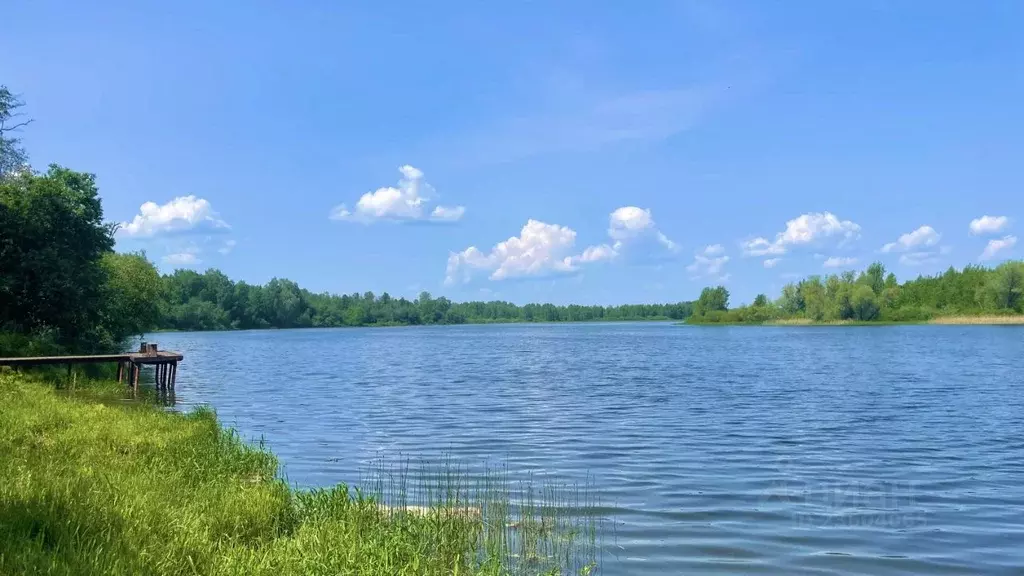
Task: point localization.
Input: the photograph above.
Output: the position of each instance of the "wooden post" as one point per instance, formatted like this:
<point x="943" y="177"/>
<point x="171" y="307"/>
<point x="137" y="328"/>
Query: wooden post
<point x="120" y="372"/>
<point x="174" y="373"/>
<point x="163" y="376"/>
<point x="135" y="381"/>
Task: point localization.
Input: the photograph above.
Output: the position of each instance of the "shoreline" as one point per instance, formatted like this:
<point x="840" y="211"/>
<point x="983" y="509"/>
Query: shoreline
<point x="502" y="322"/>
<point x="982" y="320"/>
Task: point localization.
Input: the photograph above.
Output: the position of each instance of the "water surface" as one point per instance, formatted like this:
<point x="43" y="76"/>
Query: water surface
<point x="720" y="450"/>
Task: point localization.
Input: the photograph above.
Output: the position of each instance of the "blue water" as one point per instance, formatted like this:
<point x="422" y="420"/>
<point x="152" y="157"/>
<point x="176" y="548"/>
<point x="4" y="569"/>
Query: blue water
<point x="718" y="450"/>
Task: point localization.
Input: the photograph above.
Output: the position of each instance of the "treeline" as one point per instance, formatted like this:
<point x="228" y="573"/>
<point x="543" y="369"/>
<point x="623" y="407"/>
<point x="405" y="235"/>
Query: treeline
<point x="875" y="295"/>
<point x="212" y="301"/>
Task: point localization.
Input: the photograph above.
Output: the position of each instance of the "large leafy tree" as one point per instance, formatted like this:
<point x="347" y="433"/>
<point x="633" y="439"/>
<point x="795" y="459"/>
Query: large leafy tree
<point x="52" y="241"/>
<point x="131" y="295"/>
<point x="712" y="300"/>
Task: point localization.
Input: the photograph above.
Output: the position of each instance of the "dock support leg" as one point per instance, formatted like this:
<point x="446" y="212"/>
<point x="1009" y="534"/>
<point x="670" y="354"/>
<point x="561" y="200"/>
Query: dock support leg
<point x="120" y="372"/>
<point x="174" y="373"/>
<point x="135" y="379"/>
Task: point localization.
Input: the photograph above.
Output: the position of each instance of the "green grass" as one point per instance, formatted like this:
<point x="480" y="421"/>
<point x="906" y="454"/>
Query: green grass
<point x="91" y="483"/>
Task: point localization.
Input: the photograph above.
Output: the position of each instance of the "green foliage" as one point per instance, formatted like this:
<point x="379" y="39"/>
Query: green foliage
<point x="864" y="303"/>
<point x="211" y="301"/>
<point x="52" y="241"/>
<point x="90" y="484"/>
<point x="712" y="300"/>
<point x="876" y="295"/>
<point x="131" y="295"/>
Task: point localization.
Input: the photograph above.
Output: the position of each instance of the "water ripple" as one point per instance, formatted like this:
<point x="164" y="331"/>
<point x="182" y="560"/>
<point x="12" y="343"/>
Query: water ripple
<point x="890" y="450"/>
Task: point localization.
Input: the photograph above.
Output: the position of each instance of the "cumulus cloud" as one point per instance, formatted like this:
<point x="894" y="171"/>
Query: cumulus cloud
<point x="839" y="262"/>
<point x="771" y="262"/>
<point x="918" y="247"/>
<point x="988" y="224"/>
<point x="408" y="202"/>
<point x="709" y="263"/>
<point x="447" y="213"/>
<point x="804" y="229"/>
<point x="596" y="254"/>
<point x="185" y="213"/>
<point x="631" y="224"/>
<point x="996" y="246"/>
<point x="540" y="249"/>
<point x="543" y="249"/>
<point x="924" y="236"/>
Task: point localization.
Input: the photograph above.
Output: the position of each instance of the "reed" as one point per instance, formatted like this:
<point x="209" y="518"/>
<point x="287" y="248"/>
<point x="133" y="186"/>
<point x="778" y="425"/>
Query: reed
<point x="982" y="320"/>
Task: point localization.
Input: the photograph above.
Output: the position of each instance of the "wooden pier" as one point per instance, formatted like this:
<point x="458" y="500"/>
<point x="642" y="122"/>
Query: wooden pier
<point x="128" y="365"/>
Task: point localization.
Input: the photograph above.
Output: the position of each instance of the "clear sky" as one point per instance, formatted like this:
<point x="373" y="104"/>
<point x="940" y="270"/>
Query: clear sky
<point x="592" y="152"/>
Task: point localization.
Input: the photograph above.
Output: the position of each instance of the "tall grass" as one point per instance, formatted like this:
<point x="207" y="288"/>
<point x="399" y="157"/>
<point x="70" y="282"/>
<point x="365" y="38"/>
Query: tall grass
<point x="987" y="319"/>
<point x="90" y="484"/>
<point x="523" y="525"/>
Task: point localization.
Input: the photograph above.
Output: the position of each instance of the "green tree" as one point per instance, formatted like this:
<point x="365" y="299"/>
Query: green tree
<point x="131" y="295"/>
<point x="1005" y="287"/>
<point x="52" y="238"/>
<point x="712" y="300"/>
<point x="812" y="293"/>
<point x="874" y="277"/>
<point x="864" y="303"/>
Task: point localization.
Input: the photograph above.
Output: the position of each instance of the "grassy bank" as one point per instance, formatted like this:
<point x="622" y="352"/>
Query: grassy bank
<point x="93" y="484"/>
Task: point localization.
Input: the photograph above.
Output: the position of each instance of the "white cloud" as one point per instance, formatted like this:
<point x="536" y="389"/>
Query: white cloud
<point x="596" y="254"/>
<point x="839" y="262"/>
<point x="540" y="249"/>
<point x="922" y="237"/>
<point x="762" y="247"/>
<point x="633" y="230"/>
<point x="228" y="246"/>
<point x="629" y="223"/>
<point x="804" y="229"/>
<point x="184" y="213"/>
<point x="994" y="247"/>
<point x="447" y="213"/>
<point x="771" y="262"/>
<point x="408" y="202"/>
<point x="709" y="263"/>
<point x="988" y="224"/>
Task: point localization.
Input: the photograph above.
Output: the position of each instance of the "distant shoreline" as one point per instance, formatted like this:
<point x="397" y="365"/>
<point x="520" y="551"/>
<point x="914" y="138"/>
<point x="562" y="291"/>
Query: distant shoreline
<point x="983" y="320"/>
<point x="647" y="320"/>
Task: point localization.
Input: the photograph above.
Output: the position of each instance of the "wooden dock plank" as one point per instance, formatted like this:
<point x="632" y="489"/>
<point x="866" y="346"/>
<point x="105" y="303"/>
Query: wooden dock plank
<point x="158" y="358"/>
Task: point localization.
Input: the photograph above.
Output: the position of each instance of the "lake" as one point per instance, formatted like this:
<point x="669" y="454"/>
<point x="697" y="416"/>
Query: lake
<point x="715" y="450"/>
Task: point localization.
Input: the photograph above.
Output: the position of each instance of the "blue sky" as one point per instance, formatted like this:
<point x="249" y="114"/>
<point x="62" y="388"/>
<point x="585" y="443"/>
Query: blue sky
<point x="592" y="152"/>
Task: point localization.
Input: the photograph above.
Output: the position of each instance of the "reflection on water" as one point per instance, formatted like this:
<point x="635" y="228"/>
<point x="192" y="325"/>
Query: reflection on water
<point x="838" y="450"/>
